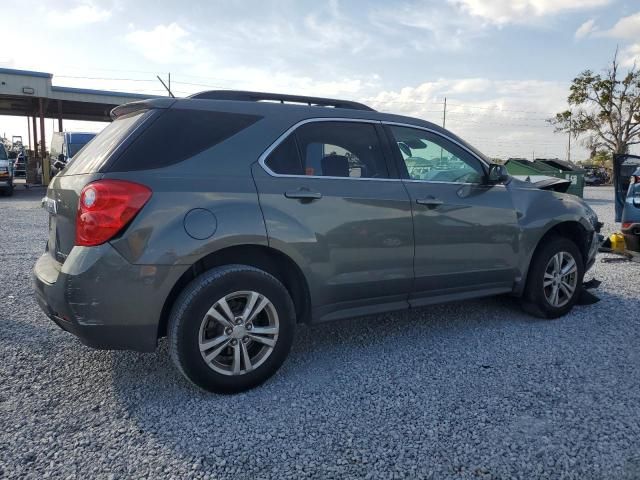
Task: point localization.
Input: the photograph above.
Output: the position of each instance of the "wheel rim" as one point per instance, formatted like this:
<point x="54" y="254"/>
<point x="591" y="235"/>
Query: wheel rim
<point x="560" y="279"/>
<point x="238" y="333"/>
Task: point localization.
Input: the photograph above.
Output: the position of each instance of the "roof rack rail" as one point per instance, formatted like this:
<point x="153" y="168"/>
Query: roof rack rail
<point x="244" y="96"/>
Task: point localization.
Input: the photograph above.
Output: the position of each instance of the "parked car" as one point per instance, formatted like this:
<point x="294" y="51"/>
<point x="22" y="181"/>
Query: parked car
<point x="631" y="214"/>
<point x="224" y="220"/>
<point x="6" y="172"/>
<point x="624" y="168"/>
<point x="595" y="176"/>
<point x="64" y="145"/>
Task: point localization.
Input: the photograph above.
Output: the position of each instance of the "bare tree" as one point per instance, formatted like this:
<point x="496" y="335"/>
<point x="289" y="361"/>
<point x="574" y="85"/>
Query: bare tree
<point x="604" y="107"/>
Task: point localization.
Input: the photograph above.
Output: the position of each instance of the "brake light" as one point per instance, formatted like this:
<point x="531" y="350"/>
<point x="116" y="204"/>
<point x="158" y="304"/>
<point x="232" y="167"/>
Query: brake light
<point x="106" y="207"/>
<point x="634" y="179"/>
<point x="626" y="225"/>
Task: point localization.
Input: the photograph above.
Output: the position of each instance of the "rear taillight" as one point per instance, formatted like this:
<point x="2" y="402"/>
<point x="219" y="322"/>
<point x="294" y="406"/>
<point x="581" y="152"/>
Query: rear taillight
<point x="634" y="179"/>
<point x="106" y="207"/>
<point x="626" y="225"/>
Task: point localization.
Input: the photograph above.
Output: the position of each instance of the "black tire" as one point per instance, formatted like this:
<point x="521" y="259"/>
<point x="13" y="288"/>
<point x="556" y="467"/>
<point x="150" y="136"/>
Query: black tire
<point x="534" y="300"/>
<point x="189" y="311"/>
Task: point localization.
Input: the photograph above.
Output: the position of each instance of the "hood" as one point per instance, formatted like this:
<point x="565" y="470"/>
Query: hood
<point x="554" y="184"/>
<point x="541" y="182"/>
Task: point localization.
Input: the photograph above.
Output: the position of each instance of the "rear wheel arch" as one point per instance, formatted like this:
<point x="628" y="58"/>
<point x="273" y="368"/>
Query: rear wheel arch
<point x="268" y="259"/>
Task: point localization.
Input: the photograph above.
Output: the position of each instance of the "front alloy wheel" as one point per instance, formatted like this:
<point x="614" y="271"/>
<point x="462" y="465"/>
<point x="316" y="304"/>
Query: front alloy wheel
<point x="554" y="279"/>
<point x="560" y="279"/>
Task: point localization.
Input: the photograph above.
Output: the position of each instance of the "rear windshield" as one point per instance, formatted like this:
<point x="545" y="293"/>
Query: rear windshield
<point x="92" y="158"/>
<point x="177" y="135"/>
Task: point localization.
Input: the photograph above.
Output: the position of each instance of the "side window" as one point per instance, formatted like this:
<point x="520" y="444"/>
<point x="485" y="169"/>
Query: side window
<point x="285" y="159"/>
<point x="431" y="157"/>
<point x="341" y="149"/>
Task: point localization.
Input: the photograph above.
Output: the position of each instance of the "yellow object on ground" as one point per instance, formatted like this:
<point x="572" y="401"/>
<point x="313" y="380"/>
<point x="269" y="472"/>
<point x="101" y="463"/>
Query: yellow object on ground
<point x="617" y="242"/>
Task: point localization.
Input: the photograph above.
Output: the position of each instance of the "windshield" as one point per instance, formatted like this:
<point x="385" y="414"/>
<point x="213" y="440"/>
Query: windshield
<point x="96" y="153"/>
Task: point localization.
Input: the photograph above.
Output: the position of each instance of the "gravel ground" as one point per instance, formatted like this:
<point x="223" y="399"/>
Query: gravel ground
<point x="468" y="390"/>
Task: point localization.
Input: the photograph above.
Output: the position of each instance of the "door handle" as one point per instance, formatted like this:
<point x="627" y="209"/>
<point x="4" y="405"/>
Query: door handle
<point x="429" y="202"/>
<point x="301" y="194"/>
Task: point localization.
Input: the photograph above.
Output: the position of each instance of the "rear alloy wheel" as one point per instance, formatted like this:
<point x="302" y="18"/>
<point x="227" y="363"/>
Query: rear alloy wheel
<point x="241" y="338"/>
<point x="554" y="281"/>
<point x="238" y="333"/>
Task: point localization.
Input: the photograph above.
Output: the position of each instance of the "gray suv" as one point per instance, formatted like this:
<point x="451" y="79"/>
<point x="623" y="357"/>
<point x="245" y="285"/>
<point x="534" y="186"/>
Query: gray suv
<point x="223" y="220"/>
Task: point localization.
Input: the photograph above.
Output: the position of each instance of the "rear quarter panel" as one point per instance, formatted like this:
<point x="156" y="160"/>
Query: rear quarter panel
<point x="218" y="180"/>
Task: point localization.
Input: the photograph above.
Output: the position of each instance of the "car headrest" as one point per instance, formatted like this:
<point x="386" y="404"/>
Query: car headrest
<point x="335" y="166"/>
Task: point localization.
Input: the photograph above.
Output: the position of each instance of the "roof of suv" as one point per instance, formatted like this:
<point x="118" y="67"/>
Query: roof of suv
<point x="292" y="107"/>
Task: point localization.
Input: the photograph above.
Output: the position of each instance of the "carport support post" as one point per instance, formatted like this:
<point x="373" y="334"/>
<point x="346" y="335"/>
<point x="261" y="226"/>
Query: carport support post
<point x="59" y="115"/>
<point x="35" y="136"/>
<point x="43" y="147"/>
<point x="29" y="130"/>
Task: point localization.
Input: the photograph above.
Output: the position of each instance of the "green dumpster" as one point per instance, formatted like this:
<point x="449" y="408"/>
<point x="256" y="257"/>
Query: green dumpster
<point x="540" y="168"/>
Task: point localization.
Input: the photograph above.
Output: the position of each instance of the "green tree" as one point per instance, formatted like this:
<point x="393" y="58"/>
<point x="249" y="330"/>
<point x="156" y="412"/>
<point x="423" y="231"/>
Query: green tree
<point x="605" y="108"/>
<point x="602" y="158"/>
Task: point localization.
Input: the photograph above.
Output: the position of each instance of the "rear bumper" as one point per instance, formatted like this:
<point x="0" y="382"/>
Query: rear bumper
<point x="102" y="299"/>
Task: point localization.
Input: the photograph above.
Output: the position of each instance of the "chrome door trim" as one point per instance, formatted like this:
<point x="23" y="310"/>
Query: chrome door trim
<point x="282" y="137"/>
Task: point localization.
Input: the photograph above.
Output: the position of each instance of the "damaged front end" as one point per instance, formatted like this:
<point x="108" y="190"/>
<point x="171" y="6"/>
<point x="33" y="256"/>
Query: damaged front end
<point x="554" y="184"/>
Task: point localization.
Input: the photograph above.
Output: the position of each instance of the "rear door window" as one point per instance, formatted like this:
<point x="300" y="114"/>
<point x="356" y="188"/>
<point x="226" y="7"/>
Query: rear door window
<point x="341" y="149"/>
<point x="92" y="158"/>
<point x="285" y="159"/>
<point x="330" y="149"/>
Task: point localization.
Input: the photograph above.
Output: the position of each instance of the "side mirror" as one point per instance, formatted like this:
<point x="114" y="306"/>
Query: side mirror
<point x="497" y="174"/>
<point x="61" y="158"/>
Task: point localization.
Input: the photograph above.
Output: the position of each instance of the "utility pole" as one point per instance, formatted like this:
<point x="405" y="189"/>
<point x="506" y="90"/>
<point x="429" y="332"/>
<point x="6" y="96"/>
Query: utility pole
<point x="444" y="113"/>
<point x="569" y="146"/>
<point x="165" y="86"/>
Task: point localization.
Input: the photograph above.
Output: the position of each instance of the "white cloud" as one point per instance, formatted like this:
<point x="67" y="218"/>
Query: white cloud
<point x="587" y="28"/>
<point x="425" y="26"/>
<point x="630" y="56"/>
<point x="164" y="44"/>
<point x="82" y="14"/>
<point x="626" y="28"/>
<point x="503" y="118"/>
<point x="502" y="12"/>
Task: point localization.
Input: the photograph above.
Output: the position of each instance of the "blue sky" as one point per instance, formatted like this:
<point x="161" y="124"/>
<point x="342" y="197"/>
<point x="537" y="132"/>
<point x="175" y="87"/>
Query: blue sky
<point x="503" y="65"/>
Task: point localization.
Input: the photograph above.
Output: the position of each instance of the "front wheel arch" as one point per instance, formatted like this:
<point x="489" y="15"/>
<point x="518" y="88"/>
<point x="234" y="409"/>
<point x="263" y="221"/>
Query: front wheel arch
<point x="572" y="230"/>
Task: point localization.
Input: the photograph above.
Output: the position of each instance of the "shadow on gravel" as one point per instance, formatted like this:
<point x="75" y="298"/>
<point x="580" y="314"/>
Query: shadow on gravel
<point x="332" y="369"/>
<point x="20" y="333"/>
